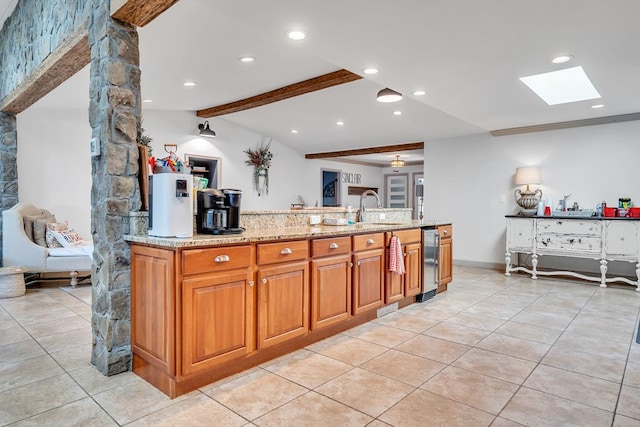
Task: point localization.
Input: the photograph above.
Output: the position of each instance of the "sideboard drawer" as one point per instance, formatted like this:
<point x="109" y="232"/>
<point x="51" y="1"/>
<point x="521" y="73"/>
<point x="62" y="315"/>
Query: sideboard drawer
<point x="572" y="226"/>
<point x="269" y="253"/>
<point x="215" y="259"/>
<point x="563" y="243"/>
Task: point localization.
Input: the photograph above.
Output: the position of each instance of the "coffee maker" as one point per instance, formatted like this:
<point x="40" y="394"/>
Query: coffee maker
<point x="218" y="211"/>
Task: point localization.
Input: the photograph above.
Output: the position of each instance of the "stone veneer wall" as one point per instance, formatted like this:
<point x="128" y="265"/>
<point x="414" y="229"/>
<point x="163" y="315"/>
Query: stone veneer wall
<point x="8" y="165"/>
<point x="114" y="116"/>
<point x="32" y="32"/>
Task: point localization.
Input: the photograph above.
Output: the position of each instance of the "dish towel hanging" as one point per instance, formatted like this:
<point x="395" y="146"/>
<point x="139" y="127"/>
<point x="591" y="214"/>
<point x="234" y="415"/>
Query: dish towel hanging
<point x="396" y="260"/>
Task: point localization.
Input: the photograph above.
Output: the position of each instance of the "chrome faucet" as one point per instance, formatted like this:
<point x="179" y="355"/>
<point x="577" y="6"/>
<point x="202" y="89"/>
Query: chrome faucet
<point x="362" y="197"/>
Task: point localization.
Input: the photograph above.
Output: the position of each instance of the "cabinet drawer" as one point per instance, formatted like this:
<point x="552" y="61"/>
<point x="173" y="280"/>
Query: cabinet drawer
<point x="445" y="231"/>
<point x="405" y="236"/>
<point x="215" y="259"/>
<point x="584" y="228"/>
<point x="269" y="253"/>
<point x="566" y="243"/>
<point x="330" y="246"/>
<point x="364" y="242"/>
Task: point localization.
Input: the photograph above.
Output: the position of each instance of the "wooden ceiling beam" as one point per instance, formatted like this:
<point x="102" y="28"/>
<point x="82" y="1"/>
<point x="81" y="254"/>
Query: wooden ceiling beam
<point x="66" y="60"/>
<point x="370" y="150"/>
<point x="139" y="12"/>
<point x="296" y="89"/>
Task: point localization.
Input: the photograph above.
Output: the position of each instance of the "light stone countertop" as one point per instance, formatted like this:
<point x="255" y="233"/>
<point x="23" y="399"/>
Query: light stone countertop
<point x="283" y="233"/>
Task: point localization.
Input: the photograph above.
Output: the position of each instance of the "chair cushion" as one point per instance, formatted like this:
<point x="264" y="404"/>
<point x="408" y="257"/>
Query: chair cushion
<point x="70" y="251"/>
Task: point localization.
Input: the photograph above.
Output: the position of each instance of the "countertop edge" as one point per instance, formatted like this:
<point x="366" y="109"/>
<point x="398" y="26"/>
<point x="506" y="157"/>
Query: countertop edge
<point x="278" y="234"/>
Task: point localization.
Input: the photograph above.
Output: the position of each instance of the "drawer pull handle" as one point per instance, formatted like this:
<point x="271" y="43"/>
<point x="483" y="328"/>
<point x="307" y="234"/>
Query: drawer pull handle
<point x="222" y="258"/>
<point x="445" y="231"/>
<point x="286" y="251"/>
<point x="250" y="282"/>
<point x="264" y="281"/>
<point x="370" y="241"/>
<point x="333" y="246"/>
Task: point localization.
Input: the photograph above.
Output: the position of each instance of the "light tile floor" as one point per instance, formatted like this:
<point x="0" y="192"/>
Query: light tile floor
<point x="491" y="351"/>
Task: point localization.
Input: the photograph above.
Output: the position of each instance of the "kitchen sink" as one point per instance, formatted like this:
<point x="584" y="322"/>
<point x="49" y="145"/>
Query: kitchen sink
<point x="585" y="213"/>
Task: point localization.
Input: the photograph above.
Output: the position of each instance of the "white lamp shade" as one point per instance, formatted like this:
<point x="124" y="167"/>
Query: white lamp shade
<point x="528" y="175"/>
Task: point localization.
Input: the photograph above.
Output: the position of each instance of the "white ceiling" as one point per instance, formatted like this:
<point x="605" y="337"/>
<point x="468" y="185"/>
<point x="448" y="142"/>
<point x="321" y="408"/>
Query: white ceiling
<point x="467" y="56"/>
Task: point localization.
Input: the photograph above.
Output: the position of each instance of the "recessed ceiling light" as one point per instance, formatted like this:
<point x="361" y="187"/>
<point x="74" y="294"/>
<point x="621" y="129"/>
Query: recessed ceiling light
<point x="188" y="84"/>
<point x="296" y="35"/>
<point x="340" y="123"/>
<point x="597" y="106"/>
<point x="370" y="70"/>
<point x="419" y="93"/>
<point x="146" y="101"/>
<point x="397" y="113"/>
<point x="562" y="86"/>
<point x="294" y="131"/>
<point x="247" y="59"/>
<point x="561" y="59"/>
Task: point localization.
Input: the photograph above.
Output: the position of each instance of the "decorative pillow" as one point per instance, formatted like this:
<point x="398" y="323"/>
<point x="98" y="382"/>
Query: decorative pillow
<point x="68" y="238"/>
<point x="40" y="230"/>
<point x="52" y="227"/>
<point x="29" y="220"/>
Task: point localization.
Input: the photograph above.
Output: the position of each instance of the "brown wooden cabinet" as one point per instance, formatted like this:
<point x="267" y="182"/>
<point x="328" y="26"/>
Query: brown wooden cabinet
<point x="413" y="266"/>
<point x="330" y="281"/>
<point x="399" y="286"/>
<point x="368" y="272"/>
<point x="283" y="292"/>
<point x="201" y="313"/>
<point x="217" y="319"/>
<point x="152" y="307"/>
<point x="446" y="256"/>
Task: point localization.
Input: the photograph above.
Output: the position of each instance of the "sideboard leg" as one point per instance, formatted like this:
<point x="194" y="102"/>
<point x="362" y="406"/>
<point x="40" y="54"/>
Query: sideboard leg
<point x="638" y="277"/>
<point x="507" y="261"/>
<point x="534" y="263"/>
<point x="603" y="273"/>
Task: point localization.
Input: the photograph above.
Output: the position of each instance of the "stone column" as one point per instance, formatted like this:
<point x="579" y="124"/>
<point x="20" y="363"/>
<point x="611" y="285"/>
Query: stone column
<point x="114" y="116"/>
<point x="8" y="165"/>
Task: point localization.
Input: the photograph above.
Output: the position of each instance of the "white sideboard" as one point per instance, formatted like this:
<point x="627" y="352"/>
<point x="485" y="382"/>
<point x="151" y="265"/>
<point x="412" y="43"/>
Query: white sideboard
<point x="601" y="239"/>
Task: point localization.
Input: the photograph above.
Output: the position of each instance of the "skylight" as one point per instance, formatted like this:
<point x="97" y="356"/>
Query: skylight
<point x="560" y="87"/>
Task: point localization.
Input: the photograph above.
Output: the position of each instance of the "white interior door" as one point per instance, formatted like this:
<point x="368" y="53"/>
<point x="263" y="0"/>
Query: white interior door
<point x="396" y="190"/>
<point x="416" y="205"/>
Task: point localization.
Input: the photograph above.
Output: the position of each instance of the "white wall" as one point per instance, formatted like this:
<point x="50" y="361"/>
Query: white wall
<point x="290" y="174"/>
<point x="54" y="166"/>
<point x="465" y="176"/>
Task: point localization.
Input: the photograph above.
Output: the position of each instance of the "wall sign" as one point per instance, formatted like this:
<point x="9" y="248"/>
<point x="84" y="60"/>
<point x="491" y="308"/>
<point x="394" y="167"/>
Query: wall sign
<point x="351" y="178"/>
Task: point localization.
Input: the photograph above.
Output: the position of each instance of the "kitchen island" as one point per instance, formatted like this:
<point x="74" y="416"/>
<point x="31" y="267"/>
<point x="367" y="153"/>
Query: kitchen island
<point x="209" y="306"/>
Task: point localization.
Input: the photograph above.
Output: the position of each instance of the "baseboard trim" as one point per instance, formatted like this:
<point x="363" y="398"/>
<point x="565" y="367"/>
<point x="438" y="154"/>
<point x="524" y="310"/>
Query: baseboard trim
<point x="480" y="264"/>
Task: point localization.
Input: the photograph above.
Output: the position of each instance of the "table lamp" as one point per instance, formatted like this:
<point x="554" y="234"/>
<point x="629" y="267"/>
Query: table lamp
<point x="527" y="199"/>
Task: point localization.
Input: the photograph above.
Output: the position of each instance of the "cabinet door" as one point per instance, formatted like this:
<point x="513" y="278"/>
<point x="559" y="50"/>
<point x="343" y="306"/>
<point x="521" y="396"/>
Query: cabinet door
<point x="445" y="262"/>
<point x="520" y="234"/>
<point x="152" y="306"/>
<point x="368" y="280"/>
<point x="330" y="290"/>
<point x="412" y="264"/>
<point x="217" y="319"/>
<point x="283" y="292"/>
<point x="393" y="285"/>
<point x="621" y="240"/>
